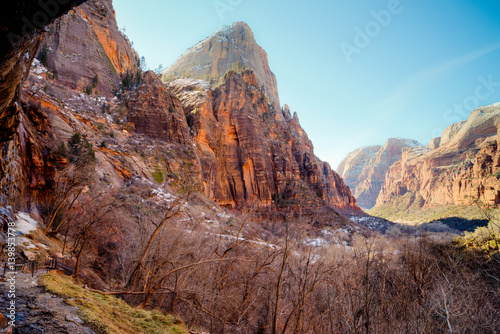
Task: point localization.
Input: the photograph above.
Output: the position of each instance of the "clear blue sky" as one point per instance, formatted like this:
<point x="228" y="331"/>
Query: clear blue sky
<point x="423" y="68"/>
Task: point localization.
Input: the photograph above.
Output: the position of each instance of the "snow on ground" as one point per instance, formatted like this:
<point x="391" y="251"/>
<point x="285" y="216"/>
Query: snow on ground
<point x="162" y="196"/>
<point x="317" y="242"/>
<point x="25" y="242"/>
<point x="223" y="215"/>
<point x="25" y="224"/>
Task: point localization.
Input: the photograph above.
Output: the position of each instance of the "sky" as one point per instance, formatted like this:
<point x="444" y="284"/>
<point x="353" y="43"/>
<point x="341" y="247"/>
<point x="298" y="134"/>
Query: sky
<point x="357" y="72"/>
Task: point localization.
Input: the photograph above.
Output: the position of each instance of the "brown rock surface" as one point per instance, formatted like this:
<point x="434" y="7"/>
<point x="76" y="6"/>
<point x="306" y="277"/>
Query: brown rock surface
<point x="434" y="143"/>
<point x="364" y="170"/>
<point x="460" y="171"/>
<point x="212" y="57"/>
<point x="157" y="113"/>
<point x="246" y="152"/>
<point x="250" y="155"/>
<point x="87" y="43"/>
<point x="19" y="42"/>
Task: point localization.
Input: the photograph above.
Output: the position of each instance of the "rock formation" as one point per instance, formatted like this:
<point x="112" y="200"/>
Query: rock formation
<point x="364" y="170"/>
<point x="22" y="23"/>
<point x="85" y="48"/>
<point x="458" y="168"/>
<point x="156" y="112"/>
<point x="231" y="47"/>
<point x="244" y="149"/>
<point x="251" y="153"/>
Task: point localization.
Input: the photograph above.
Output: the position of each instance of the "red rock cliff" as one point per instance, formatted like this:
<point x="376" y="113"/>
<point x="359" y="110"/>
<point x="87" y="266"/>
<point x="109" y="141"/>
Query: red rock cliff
<point x="86" y="44"/>
<point x="252" y="154"/>
<point x="156" y="112"/>
<point x="365" y="169"/>
<point x="459" y="168"/>
<point x="228" y="48"/>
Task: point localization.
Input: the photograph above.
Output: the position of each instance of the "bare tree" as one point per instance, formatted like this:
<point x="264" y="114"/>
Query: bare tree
<point x="92" y="222"/>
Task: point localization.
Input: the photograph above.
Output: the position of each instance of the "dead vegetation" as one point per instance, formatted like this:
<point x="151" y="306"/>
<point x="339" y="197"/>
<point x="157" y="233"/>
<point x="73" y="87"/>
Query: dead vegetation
<point x="173" y="251"/>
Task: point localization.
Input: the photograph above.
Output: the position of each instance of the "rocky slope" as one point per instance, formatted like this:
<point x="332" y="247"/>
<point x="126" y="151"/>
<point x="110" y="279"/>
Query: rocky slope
<point x="460" y="167"/>
<point x="228" y="48"/>
<point x="364" y="170"/>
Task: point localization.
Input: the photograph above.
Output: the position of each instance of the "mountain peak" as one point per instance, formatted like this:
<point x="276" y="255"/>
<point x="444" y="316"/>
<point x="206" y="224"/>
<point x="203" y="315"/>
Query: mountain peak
<point x="241" y="26"/>
<point x="229" y="48"/>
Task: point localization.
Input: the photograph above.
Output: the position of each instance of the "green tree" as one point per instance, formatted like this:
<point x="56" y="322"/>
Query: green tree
<point x="43" y="55"/>
<point x="95" y="81"/>
<point x="80" y="150"/>
<point x="143" y="65"/>
<point x="127" y="81"/>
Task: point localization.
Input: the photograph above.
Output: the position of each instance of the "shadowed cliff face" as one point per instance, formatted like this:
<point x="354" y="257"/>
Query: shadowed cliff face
<point x="252" y="154"/>
<point x="156" y="112"/>
<point x="21" y="26"/>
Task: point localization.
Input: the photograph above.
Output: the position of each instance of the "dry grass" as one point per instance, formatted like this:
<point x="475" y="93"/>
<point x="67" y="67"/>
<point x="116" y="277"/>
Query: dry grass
<point x="428" y="214"/>
<point x="109" y="314"/>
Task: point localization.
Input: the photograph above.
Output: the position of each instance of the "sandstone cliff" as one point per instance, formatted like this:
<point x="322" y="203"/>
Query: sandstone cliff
<point x="86" y="48"/>
<point x="364" y="170"/>
<point x="155" y="112"/>
<point x="251" y="153"/>
<point x="19" y="42"/>
<point x="229" y="47"/>
<point x="459" y="168"/>
<point x="244" y="150"/>
<point x="20" y="39"/>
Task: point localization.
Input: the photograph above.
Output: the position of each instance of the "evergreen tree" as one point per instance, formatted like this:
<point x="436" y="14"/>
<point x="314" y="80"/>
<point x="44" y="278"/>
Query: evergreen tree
<point x="43" y="54"/>
<point x="80" y="150"/>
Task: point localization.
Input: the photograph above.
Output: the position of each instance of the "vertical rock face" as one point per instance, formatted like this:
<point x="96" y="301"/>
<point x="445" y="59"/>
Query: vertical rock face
<point x="20" y="39"/>
<point x="252" y="154"/>
<point x="21" y="24"/>
<point x="247" y="151"/>
<point x="157" y="113"/>
<point x="364" y="170"/>
<point x="227" y="48"/>
<point x="462" y="169"/>
<point x="13" y="70"/>
<point x="354" y="163"/>
<point x="482" y="180"/>
<point x="87" y="44"/>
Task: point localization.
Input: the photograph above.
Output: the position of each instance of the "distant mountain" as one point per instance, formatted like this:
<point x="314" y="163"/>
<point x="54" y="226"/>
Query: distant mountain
<point x="231" y="47"/>
<point x="460" y="167"/>
<point x="364" y="169"/>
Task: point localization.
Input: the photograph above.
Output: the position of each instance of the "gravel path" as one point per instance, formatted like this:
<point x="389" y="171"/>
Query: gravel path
<point x="39" y="311"/>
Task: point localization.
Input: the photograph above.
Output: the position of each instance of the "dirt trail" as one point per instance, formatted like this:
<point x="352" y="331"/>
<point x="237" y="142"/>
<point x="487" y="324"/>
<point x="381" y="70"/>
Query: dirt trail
<point x="38" y="311"/>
